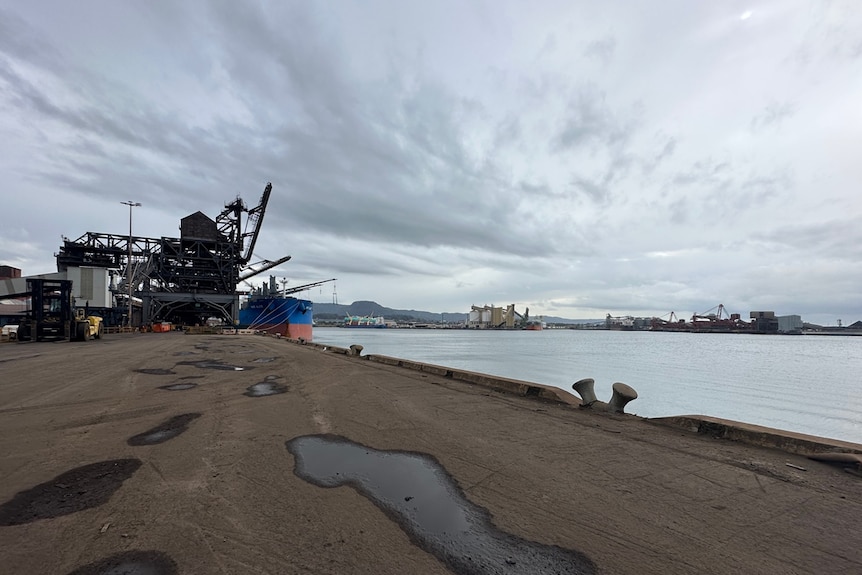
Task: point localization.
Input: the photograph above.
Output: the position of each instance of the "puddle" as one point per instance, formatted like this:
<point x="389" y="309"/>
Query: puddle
<point x="156" y="371"/>
<point x="212" y="364"/>
<point x="164" y="431"/>
<point x="414" y="490"/>
<point x="179" y="386"/>
<point x="264" y="360"/>
<point x="191" y="377"/>
<point x="131" y="563"/>
<point x="78" y="489"/>
<point x="266" y="387"/>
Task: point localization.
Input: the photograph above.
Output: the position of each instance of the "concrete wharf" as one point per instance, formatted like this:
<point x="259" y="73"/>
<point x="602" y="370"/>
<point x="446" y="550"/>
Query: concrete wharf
<point x="248" y="454"/>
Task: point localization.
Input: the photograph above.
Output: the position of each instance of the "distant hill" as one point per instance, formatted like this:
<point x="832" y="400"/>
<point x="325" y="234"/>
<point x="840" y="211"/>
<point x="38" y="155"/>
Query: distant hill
<point x="334" y="311"/>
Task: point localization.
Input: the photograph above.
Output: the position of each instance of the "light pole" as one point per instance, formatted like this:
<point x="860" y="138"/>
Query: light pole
<point x="129" y="261"/>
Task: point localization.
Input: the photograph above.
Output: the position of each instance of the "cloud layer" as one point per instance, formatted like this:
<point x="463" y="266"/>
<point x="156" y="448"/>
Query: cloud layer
<point x="574" y="158"/>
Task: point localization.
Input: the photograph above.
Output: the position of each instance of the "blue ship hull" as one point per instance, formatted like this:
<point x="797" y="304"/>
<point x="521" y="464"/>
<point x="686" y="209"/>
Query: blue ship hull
<point x="287" y="316"/>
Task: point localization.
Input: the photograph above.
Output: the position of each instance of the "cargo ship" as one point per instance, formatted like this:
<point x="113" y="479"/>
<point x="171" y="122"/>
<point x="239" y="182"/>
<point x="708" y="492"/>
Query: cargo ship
<point x="287" y="316"/>
<point x="367" y="321"/>
<point x="277" y="312"/>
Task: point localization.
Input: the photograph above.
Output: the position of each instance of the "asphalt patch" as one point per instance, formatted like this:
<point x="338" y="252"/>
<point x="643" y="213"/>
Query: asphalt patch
<point x="416" y="491"/>
<point x="212" y="364"/>
<point x="164" y="431"/>
<point x="178" y="386"/>
<point x="75" y="490"/>
<point x="131" y="563"/>
<point x="266" y="387"/>
<point x="156" y="371"/>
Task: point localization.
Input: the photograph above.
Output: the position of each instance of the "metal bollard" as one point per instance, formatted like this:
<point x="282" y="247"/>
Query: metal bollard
<point x="356" y="349"/>
<point x="622" y="394"/>
<point x="584" y="387"/>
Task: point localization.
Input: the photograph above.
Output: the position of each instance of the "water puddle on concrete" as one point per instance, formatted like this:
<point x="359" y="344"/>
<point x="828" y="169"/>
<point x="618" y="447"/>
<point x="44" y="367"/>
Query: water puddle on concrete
<point x="178" y="386"/>
<point x="212" y="364"/>
<point x="156" y="371"/>
<point x="268" y="386"/>
<point x="264" y="360"/>
<point x="164" y="431"/>
<point x="131" y="563"/>
<point x="416" y="491"/>
<point x="78" y="489"/>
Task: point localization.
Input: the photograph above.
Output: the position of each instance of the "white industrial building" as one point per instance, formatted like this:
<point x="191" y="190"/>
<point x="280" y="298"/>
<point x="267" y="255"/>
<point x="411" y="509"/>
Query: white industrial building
<point x="789" y="324"/>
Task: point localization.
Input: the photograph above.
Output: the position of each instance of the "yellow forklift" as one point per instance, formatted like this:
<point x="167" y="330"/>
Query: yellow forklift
<point x="52" y="316"/>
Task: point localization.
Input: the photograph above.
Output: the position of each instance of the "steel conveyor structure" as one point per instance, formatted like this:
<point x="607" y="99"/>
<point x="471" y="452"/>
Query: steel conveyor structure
<point x="183" y="280"/>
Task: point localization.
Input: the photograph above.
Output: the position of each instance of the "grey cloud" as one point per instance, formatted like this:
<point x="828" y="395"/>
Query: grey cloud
<point x="774" y="114"/>
<point x="590" y="121"/>
<point x="602" y="49"/>
<point x="390" y="158"/>
<point x="651" y="163"/>
<point x="597" y="192"/>
<point x="508" y="131"/>
<point x="600" y="189"/>
<point x="838" y="239"/>
<point x="18" y="40"/>
<point x="376" y="155"/>
<point x="716" y="193"/>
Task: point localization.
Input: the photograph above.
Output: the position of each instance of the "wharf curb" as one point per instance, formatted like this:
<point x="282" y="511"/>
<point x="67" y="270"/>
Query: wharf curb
<point x="497" y="383"/>
<point x="716" y="427"/>
<point x="787" y="441"/>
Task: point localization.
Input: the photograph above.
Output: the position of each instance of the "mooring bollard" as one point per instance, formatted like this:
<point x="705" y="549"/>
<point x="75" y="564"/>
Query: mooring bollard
<point x="622" y="394"/>
<point x="584" y="388"/>
<point x="356" y="349"/>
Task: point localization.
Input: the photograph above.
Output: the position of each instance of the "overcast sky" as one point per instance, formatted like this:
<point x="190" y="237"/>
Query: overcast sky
<point x="574" y="157"/>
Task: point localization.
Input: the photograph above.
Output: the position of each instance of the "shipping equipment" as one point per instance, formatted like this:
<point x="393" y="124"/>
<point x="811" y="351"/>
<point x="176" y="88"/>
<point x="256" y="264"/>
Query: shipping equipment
<point x="185" y="280"/>
<point x="718" y="321"/>
<point x="672" y="323"/>
<point x="52" y="316"/>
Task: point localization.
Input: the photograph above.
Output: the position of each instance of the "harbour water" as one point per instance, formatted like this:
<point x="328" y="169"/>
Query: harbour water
<point x="807" y="384"/>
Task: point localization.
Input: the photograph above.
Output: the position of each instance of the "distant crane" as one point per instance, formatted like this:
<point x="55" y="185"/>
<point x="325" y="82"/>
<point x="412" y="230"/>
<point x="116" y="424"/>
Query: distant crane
<point x="304" y="286"/>
<point x="672" y="323"/>
<point x="721" y="320"/>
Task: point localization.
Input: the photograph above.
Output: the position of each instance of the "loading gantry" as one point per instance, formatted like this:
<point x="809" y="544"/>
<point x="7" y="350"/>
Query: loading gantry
<point x="183" y="280"/>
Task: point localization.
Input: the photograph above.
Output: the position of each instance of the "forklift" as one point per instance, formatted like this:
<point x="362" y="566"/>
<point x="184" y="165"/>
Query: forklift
<point x="52" y="316"/>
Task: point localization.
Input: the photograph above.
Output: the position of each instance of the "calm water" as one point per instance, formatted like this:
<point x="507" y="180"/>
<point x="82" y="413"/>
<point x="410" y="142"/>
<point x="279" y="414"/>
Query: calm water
<point x="808" y="384"/>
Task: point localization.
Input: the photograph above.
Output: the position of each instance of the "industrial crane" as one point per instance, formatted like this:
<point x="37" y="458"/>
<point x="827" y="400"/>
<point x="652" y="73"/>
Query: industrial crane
<point x="228" y="223"/>
<point x="305" y="287"/>
<point x="251" y="270"/>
